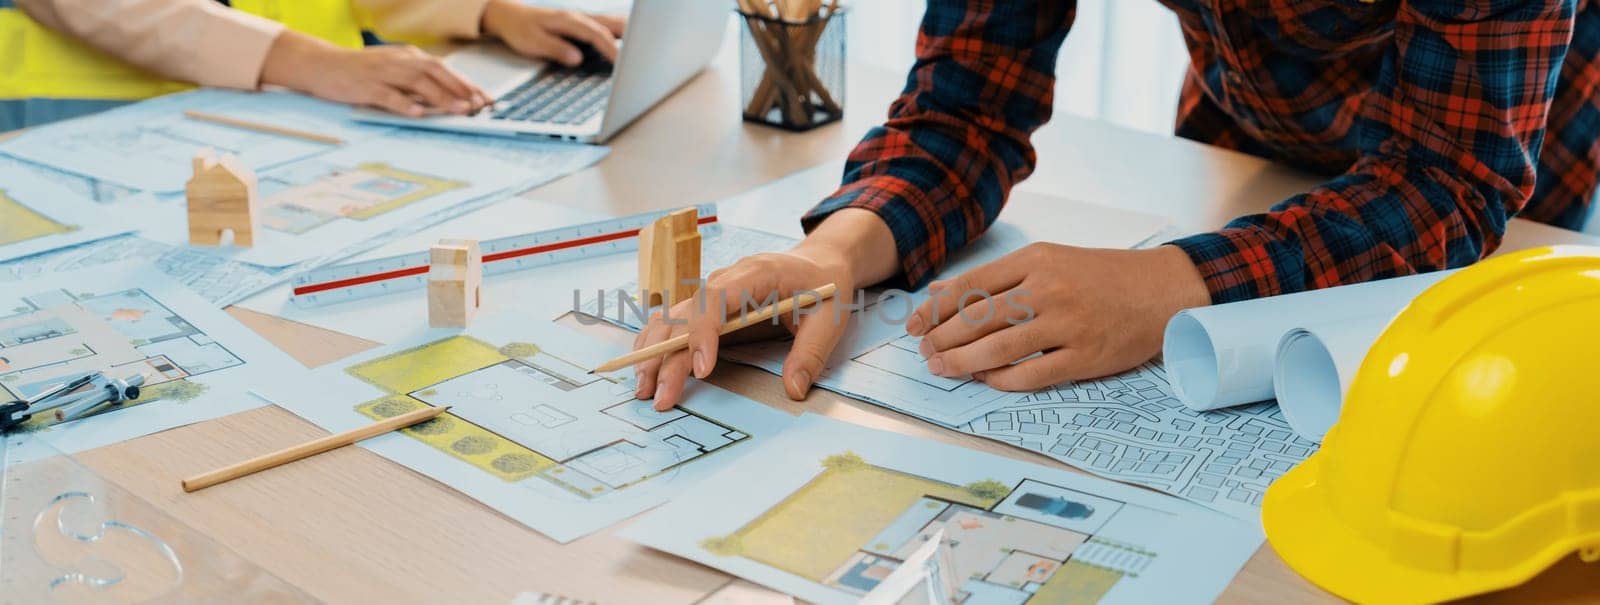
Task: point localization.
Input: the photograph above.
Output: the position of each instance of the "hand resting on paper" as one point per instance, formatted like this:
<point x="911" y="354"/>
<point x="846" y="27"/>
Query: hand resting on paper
<point x="852" y="247"/>
<point x="1095" y="312"/>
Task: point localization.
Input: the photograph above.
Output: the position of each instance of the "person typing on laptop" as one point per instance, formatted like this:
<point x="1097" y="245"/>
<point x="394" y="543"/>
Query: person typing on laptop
<point x="318" y="47"/>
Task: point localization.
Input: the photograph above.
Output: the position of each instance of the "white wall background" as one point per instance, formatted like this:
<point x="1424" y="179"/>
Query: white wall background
<point x="1122" y="63"/>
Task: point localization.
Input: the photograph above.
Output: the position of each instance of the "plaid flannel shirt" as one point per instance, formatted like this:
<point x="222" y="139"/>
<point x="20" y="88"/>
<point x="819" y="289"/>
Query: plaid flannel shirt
<point x="1436" y="122"/>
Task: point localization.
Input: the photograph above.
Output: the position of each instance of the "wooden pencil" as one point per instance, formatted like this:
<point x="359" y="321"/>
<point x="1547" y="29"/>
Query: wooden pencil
<point x="309" y="449"/>
<point x="681" y="342"/>
<point x="259" y="127"/>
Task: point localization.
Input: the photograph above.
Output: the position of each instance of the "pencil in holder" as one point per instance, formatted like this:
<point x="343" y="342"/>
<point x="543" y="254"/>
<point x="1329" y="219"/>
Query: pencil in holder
<point x="792" y="72"/>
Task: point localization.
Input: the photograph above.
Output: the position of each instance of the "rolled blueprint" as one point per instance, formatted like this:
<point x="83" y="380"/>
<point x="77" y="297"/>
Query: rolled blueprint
<point x="1313" y="369"/>
<point x="1221" y="356"/>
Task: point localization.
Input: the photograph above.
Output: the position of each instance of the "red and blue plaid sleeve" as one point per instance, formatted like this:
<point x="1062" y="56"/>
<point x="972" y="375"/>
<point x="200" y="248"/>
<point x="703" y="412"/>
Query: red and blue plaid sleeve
<point x="1449" y="139"/>
<point x="956" y="140"/>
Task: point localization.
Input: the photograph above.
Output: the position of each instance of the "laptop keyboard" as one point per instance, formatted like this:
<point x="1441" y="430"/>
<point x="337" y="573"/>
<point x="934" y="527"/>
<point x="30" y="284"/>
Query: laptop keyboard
<point x="559" y="97"/>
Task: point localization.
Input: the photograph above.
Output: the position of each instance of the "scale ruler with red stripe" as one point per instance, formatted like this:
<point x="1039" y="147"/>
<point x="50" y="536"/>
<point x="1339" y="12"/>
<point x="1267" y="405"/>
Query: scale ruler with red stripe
<point x="377" y="277"/>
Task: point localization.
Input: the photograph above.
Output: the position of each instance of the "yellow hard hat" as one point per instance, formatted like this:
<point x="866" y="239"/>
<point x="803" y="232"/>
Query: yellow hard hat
<point x="1467" y="456"/>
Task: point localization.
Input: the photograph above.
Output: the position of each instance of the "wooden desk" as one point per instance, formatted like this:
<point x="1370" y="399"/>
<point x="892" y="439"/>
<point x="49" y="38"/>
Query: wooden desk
<point x="351" y="527"/>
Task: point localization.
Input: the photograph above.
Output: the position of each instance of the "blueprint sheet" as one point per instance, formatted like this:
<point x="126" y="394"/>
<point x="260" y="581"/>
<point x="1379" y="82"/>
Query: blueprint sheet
<point x="37" y="215"/>
<point x="149" y="145"/>
<point x="197" y="362"/>
<point x="828" y="509"/>
<point x="217" y="280"/>
<point x="531" y="432"/>
<point x="542" y="292"/>
<point x="84" y="186"/>
<point x="1129" y="427"/>
<point x="875" y="360"/>
<point x="223" y="281"/>
<point x="319" y="204"/>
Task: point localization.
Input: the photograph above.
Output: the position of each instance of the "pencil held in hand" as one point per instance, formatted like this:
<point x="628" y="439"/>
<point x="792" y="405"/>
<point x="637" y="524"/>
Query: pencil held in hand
<point x="681" y="341"/>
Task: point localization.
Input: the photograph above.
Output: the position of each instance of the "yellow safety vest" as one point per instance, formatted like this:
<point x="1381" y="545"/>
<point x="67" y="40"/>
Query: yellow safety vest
<point x="37" y="62"/>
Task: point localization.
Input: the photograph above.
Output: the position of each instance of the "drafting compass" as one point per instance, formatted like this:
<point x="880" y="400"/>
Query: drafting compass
<point x="73" y="399"/>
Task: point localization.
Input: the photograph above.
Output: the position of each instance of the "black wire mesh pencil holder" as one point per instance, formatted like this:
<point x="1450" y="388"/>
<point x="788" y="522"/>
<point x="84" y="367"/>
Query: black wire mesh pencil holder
<point x="792" y="73"/>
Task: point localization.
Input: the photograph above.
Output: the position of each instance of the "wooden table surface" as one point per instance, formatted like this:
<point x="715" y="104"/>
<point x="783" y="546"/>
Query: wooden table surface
<point x="349" y="526"/>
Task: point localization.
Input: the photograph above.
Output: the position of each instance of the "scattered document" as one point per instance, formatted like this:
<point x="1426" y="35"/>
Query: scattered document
<point x="828" y="510"/>
<point x="1128" y="427"/>
<point x="150" y="145"/>
<point x="38" y="216"/>
<point x="540" y="161"/>
<point x="1131" y="427"/>
<point x="90" y="187"/>
<point x="531" y="432"/>
<point x="217" y="280"/>
<point x="541" y="292"/>
<point x="875" y="360"/>
<point x="197" y="363"/>
<point x="321" y="204"/>
<point x="225" y="282"/>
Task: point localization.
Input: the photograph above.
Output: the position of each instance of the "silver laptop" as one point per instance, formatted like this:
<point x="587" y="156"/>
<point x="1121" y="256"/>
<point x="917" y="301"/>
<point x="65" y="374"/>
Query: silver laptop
<point x="668" y="41"/>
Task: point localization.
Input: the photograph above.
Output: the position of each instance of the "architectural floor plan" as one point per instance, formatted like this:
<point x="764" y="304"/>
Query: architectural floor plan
<point x="312" y="194"/>
<point x="363" y="194"/>
<point x="1032" y="542"/>
<point x="542" y="416"/>
<point x="196" y="361"/>
<point x="828" y="510"/>
<point x="530" y="431"/>
<point x="149" y="146"/>
<point x="53" y="337"/>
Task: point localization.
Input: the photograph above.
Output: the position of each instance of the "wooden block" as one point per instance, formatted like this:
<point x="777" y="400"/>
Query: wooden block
<point x="455" y="283"/>
<point x="222" y="197"/>
<point x="669" y="258"/>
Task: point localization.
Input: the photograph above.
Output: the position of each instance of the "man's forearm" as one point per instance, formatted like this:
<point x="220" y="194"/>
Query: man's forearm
<point x="857" y="241"/>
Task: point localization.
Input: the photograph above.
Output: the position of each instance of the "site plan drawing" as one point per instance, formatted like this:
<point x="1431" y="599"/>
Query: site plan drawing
<point x="38" y="216"/>
<point x="196" y="361"/>
<point x="1132" y="428"/>
<point x="1128" y="427"/>
<point x="149" y="145"/>
<point x="530" y="431"/>
<point x="829" y="509"/>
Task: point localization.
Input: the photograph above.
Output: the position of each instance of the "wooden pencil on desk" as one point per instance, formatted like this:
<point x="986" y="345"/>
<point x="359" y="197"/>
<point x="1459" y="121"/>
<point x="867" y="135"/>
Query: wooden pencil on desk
<point x="681" y="342"/>
<point x="309" y="449"/>
<point x="259" y="127"/>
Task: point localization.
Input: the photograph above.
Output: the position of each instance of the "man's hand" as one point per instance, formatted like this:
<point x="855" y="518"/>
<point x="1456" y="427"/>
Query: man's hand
<point x="1095" y="312"/>
<point x="746" y="287"/>
<point x="401" y="79"/>
<point x="852" y="247"/>
<point x="551" y="34"/>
